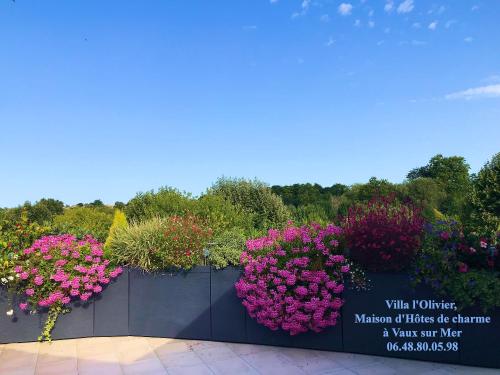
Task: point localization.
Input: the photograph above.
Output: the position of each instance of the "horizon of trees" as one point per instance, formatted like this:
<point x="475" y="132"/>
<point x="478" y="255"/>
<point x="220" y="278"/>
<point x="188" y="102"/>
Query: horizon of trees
<point x="442" y="187"/>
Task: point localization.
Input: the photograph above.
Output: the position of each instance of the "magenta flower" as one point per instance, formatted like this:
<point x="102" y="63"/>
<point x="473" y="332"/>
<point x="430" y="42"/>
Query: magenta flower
<point x="283" y="289"/>
<point x="56" y="263"/>
<point x="38" y="280"/>
<point x="85" y="296"/>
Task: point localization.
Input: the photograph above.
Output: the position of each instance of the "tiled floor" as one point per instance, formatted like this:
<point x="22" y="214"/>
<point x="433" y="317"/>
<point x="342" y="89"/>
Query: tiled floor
<point x="152" y="356"/>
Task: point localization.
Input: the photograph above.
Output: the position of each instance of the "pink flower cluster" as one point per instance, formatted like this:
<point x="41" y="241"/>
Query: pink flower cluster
<point x="57" y="269"/>
<point x="293" y="279"/>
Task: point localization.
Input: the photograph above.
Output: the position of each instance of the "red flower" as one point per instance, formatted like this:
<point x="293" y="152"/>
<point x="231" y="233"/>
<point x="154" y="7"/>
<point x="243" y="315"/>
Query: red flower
<point x="462" y="267"/>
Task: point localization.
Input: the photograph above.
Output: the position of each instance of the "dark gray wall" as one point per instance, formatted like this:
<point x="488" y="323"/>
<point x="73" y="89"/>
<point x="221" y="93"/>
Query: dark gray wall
<point x="202" y="304"/>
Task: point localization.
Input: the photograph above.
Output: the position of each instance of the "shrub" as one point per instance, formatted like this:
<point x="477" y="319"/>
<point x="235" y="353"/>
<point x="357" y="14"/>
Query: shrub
<point x="119" y="221"/>
<point x="254" y="198"/>
<point x="58" y="269"/>
<point x="460" y="265"/>
<point x="383" y="235"/>
<point x="309" y="213"/>
<point x="220" y="215"/>
<point x="293" y="278"/>
<point x="161" y="243"/>
<point x="163" y="203"/>
<point x="226" y="248"/>
<point x="14" y="237"/>
<point x="82" y="221"/>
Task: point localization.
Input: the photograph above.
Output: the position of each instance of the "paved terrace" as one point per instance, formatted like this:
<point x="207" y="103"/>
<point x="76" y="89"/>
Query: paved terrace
<point x="154" y="356"/>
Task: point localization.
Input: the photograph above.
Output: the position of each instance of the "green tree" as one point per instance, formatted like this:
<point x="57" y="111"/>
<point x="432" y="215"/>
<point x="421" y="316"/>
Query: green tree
<point x="96" y="203"/>
<point x="426" y="193"/>
<point x="452" y="173"/>
<point x="119" y="205"/>
<point x="487" y="186"/>
<point x="485" y="197"/>
<point x="305" y="199"/>
<point x="373" y="188"/>
<point x="44" y="210"/>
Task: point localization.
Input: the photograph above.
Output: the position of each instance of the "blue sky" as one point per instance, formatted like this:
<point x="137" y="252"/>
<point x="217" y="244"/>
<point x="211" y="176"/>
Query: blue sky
<point x="102" y="99"/>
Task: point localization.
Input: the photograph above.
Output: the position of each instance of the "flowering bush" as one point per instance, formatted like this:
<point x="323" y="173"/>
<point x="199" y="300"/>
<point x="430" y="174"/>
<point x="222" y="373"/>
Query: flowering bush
<point x="383" y="235"/>
<point x="14" y="237"/>
<point x="58" y="269"/>
<point x="161" y="243"/>
<point x="461" y="265"/>
<point x="293" y="278"/>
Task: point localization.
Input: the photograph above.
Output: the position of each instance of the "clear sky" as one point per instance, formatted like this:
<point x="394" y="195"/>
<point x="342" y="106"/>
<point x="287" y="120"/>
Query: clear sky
<point x="102" y="99"/>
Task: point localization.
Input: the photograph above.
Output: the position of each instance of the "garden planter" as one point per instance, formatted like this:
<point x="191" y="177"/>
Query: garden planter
<point x="111" y="308"/>
<point x="173" y="304"/>
<point x="368" y="338"/>
<point x="202" y="304"/>
<point x="79" y="322"/>
<point x="228" y="314"/>
<point x="26" y="327"/>
<point x="480" y="343"/>
<point x="258" y="334"/>
<point x="20" y="327"/>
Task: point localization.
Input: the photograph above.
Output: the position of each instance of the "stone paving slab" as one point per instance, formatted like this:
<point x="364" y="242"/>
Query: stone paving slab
<point x="155" y="356"/>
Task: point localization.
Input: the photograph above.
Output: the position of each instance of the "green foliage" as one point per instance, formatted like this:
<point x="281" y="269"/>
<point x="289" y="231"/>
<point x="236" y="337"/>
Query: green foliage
<point x="16" y="236"/>
<point x="217" y="212"/>
<point x="119" y="205"/>
<point x="53" y="314"/>
<point x="427" y="193"/>
<point x="373" y="188"/>
<point x="41" y="212"/>
<point x="119" y="221"/>
<point x="96" y="203"/>
<point x="484" y="215"/>
<point x="220" y="215"/>
<point x="474" y="288"/>
<point x="309" y="213"/>
<point x="162" y="203"/>
<point x="254" y="198"/>
<point x="459" y="266"/>
<point x="298" y="195"/>
<point x="452" y="174"/>
<point x="81" y="221"/>
<point x="487" y="186"/>
<point x="161" y="243"/>
<point x="226" y="248"/>
<point x="44" y="210"/>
